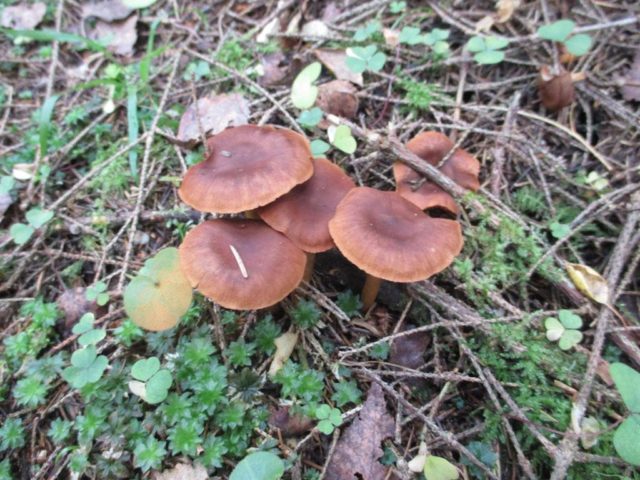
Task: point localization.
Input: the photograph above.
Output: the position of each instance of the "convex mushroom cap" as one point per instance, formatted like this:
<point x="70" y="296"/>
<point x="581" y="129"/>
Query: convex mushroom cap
<point x="391" y="238"/>
<point x="303" y="214"/>
<point x="425" y="195"/>
<point x="241" y="264"/>
<point x="248" y="166"/>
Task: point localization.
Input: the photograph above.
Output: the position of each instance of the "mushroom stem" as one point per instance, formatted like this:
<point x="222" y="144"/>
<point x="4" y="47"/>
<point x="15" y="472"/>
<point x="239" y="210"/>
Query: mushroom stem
<point x="370" y="291"/>
<point x="308" y="269"/>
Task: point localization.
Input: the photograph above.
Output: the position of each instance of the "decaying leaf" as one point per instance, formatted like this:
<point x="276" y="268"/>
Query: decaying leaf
<point x="276" y="69"/>
<point x="591" y="430"/>
<point x="556" y="89"/>
<point x="416" y="464"/>
<point x="285" y="344"/>
<point x="289" y="425"/>
<point x="358" y="450"/>
<point x="505" y="9"/>
<point x="408" y="351"/>
<point x="23" y="16"/>
<point x="107" y="10"/>
<point x="213" y="114"/>
<point x="589" y="282"/>
<point x="23" y="171"/>
<point x="339" y="98"/>
<point x="183" y="471"/>
<point x="73" y="303"/>
<point x="334" y="60"/>
<point x="631" y="86"/>
<point x="119" y="37"/>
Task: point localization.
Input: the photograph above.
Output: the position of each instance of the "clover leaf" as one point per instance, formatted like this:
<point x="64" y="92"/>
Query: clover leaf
<point x="21" y="233"/>
<point x="341" y="138"/>
<point x="564" y="331"/>
<point x="438" y="468"/>
<point x="36" y="218"/>
<point x="487" y="50"/>
<point x="319" y="147"/>
<point x="364" y="33"/>
<point x="97" y="293"/>
<point x="88" y="334"/>
<point x="303" y="92"/>
<point x="151" y="383"/>
<point x="330" y="418"/>
<point x="360" y="59"/>
<point x="310" y="118"/>
<point x="86" y="367"/>
<point x="559" y="32"/>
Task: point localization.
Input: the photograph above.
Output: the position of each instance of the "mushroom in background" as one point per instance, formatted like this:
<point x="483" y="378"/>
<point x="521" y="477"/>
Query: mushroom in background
<point x="556" y="88"/>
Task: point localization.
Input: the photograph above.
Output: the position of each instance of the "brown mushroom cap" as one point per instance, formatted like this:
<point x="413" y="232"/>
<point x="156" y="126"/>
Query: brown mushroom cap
<point x="303" y="214"/>
<point x="273" y="265"/>
<point x="390" y="238"/>
<point x="427" y="195"/>
<point x="461" y="167"/>
<point x="248" y="166"/>
<point x="556" y="90"/>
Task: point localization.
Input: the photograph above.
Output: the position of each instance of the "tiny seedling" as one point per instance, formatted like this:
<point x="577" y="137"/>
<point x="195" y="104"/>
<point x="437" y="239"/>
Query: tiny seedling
<point x="559" y="229"/>
<point x="565" y="331"/>
<point x="319" y="147"/>
<point x="341" y="138"/>
<point x="596" y="181"/>
<point x="86" y="367"/>
<point x="98" y="293"/>
<point x="626" y="438"/>
<point x="88" y="334"/>
<point x="560" y="32"/>
<point x="36" y="218"/>
<point x="330" y="418"/>
<point x="151" y="383"/>
<point x="258" y="466"/>
<point x="303" y="91"/>
<point x="360" y="59"/>
<point x="397" y="7"/>
<point x="366" y="32"/>
<point x="310" y="118"/>
<point x="487" y="50"/>
<point x="436" y="39"/>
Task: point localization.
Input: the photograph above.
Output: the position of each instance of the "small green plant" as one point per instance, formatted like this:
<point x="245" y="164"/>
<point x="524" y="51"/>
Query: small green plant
<point x="88" y="334"/>
<point x="361" y="59"/>
<point x="150" y="382"/>
<point x="626" y="438"/>
<point x="59" y="430"/>
<point x="346" y="392"/>
<point x="310" y="118"/>
<point x="559" y="229"/>
<point x="86" y="367"/>
<point x="300" y="383"/>
<point x="560" y="32"/>
<point x="341" y="138"/>
<point x="36" y="218"/>
<point x="11" y="434"/>
<point x="565" y="331"/>
<point x="330" y="418"/>
<point x="380" y="351"/>
<point x="303" y="90"/>
<point x="264" y="334"/>
<point x="30" y="391"/>
<point x="149" y="453"/>
<point x="367" y="31"/>
<point x="98" y="293"/>
<point x="349" y="303"/>
<point x="239" y="353"/>
<point x="197" y="70"/>
<point x="259" y="466"/>
<point x="319" y="147"/>
<point x="306" y="314"/>
<point x="436" y="39"/>
<point x="487" y="50"/>
<point x="397" y="7"/>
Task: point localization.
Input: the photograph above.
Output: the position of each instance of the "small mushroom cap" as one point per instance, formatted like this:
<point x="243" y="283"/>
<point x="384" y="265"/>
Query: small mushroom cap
<point x="248" y="166"/>
<point x="556" y="90"/>
<point x="427" y="195"/>
<point x="461" y="167"/>
<point x="390" y="238"/>
<point x="273" y="265"/>
<point x="303" y="214"/>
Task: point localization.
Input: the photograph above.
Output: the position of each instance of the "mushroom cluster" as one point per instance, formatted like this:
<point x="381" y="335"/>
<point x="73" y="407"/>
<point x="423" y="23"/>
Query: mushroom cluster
<point x="295" y="206"/>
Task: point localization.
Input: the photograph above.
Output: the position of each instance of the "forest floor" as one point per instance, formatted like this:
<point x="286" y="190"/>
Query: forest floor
<point x="460" y="363"/>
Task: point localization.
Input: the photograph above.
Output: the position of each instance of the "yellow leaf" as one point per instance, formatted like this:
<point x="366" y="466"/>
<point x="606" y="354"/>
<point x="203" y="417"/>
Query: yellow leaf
<point x="589" y="282"/>
<point x="285" y="344"/>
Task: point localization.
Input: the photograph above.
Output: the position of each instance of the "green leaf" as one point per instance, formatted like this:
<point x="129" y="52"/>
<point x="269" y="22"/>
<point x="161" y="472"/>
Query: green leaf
<point x="158" y="386"/>
<point x="92" y="337"/>
<point x="326" y="427"/>
<point x="84" y="324"/>
<point x="376" y="62"/>
<point x="489" y="57"/>
<point x="138" y="3"/>
<point x="627" y="382"/>
<point x="340" y="137"/>
<point x="496" y="43"/>
<point x="569" y="339"/>
<point x="144" y="369"/>
<point x="323" y="411"/>
<point x="579" y="44"/>
<point x="44" y="123"/>
<point x="438" y="468"/>
<point x="21" y="233"/>
<point x="160" y="294"/>
<point x="310" y="118"/>
<point x="37" y="217"/>
<point x="335" y="417"/>
<point x="6" y="184"/>
<point x="259" y="466"/>
<point x="476" y="44"/>
<point x="554" y="329"/>
<point x="355" y="64"/>
<point x="559" y="230"/>
<point x="303" y="92"/>
<point x="626" y="440"/>
<point x="367" y="31"/>
<point x="96" y="369"/>
<point x="411" y="36"/>
<point x="569" y="319"/>
<point x="319" y="147"/>
<point x="557" y="31"/>
<point x="84" y="357"/>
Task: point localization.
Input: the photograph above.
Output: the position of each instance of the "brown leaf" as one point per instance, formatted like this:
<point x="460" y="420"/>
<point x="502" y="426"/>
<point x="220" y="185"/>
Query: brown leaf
<point x="339" y="98"/>
<point x="631" y="88"/>
<point x="556" y="89"/>
<point x="277" y="69"/>
<point x="23" y="16"/>
<point x="107" y="10"/>
<point x="358" y="450"/>
<point x="215" y="114"/>
<point x="289" y="425"/>
<point x="334" y="60"/>
<point x="408" y="351"/>
<point x="120" y="37"/>
<point x="183" y="471"/>
<point x="73" y="303"/>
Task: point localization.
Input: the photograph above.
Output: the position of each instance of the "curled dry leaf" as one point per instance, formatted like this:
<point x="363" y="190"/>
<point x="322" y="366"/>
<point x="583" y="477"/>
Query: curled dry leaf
<point x="183" y="471"/>
<point x="339" y="98"/>
<point x="213" y="115"/>
<point x="589" y="282"/>
<point x="556" y="90"/>
<point x="358" y="450"/>
<point x="120" y="37"/>
<point x="107" y="10"/>
<point x="285" y="344"/>
<point x="631" y="86"/>
<point x="23" y="16"/>
<point x="335" y="60"/>
<point x="289" y="425"/>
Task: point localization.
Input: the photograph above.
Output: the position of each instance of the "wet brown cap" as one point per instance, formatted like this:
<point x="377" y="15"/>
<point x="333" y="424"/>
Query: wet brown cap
<point x="241" y="264"/>
<point x="248" y="166"/>
<point x="303" y="214"/>
<point x="390" y="238"/>
<point x="556" y="90"/>
<point x="423" y="194"/>
<point x="461" y="167"/>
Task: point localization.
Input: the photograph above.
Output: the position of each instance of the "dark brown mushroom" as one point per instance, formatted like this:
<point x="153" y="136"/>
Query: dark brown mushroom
<point x="423" y="194"/>
<point x="247" y="167"/>
<point x="556" y="89"/>
<point x="241" y="264"/>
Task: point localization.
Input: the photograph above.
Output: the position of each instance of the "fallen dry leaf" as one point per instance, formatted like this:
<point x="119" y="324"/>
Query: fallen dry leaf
<point x="107" y="10"/>
<point x="589" y="282"/>
<point x="485" y="23"/>
<point x="278" y="69"/>
<point x="334" y="60"/>
<point x="183" y="471"/>
<point x="631" y="87"/>
<point x="505" y="9"/>
<point x="23" y="16"/>
<point x="358" y="450"/>
<point x="339" y="98"/>
<point x="214" y="114"/>
<point x="391" y="37"/>
<point x="330" y="12"/>
<point x="285" y="344"/>
<point x="119" y="37"/>
<point x="408" y="351"/>
<point x="73" y="303"/>
<point x="289" y="425"/>
<point x="23" y="171"/>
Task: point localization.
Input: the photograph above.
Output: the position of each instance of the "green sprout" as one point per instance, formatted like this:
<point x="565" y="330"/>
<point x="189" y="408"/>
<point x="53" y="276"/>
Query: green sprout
<point x="330" y="418"/>
<point x="487" y="50"/>
<point x="560" y="32"/>
<point x="86" y="367"/>
<point x="360" y="59"/>
<point x="565" y="331"/>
